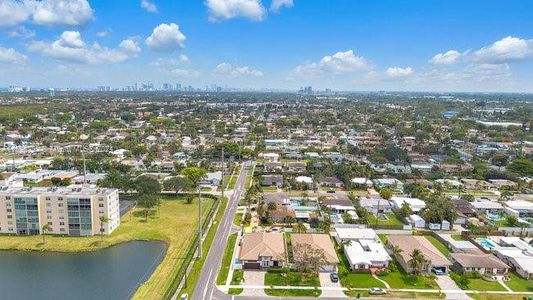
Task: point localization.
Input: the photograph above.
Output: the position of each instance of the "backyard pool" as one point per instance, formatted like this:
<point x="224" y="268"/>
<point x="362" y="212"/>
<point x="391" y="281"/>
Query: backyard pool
<point x="494" y="218"/>
<point x="486" y="243"/>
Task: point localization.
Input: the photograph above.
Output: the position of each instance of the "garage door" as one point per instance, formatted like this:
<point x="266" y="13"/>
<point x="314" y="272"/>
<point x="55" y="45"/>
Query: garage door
<point x="252" y="266"/>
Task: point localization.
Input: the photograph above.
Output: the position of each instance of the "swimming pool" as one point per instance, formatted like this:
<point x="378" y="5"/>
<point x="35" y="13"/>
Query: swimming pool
<point x="494" y="218"/>
<point x="485" y="243"/>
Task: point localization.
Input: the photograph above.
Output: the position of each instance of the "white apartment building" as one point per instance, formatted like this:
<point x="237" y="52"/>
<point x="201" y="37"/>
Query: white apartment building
<point x="67" y="210"/>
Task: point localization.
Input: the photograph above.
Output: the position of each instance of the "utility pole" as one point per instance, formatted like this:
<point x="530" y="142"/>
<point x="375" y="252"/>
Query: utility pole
<point x="199" y="222"/>
<point x="223" y="167"/>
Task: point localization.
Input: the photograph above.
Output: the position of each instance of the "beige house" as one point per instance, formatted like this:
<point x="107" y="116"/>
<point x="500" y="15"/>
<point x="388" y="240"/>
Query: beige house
<point x="260" y="250"/>
<point x="486" y="264"/>
<point x="434" y="258"/>
<point x="318" y="241"/>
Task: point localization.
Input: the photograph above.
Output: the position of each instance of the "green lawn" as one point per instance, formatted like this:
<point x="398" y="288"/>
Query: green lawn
<point x="440" y="246"/>
<point x="519" y="284"/>
<point x="458" y="237"/>
<point x="383" y="238"/>
<point x="392" y="219"/>
<point x="269" y="188"/>
<point x="175" y="224"/>
<point x="43" y="183"/>
<point x="249" y="177"/>
<point x="401" y="280"/>
<point x="236" y="280"/>
<point x="294" y="279"/>
<point x="497" y="296"/>
<point x="480" y="284"/>
<point x="226" y="260"/>
<point x="237" y="221"/>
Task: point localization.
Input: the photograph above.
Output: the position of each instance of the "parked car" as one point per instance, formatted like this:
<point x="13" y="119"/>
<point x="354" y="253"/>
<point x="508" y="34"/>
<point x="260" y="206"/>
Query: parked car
<point x="184" y="296"/>
<point x="437" y="271"/>
<point x="377" y="291"/>
<point x="334" y="277"/>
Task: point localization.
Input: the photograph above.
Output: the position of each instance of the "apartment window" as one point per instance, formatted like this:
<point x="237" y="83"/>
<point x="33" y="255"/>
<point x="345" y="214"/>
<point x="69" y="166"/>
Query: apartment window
<point x="61" y="218"/>
<point x="101" y="205"/>
<point x="50" y="223"/>
<point x="9" y="210"/>
<point x="9" y="222"/>
<point x="49" y="217"/>
<point x="47" y="198"/>
<point x="101" y="212"/>
<point x="100" y="199"/>
<point x="48" y="211"/>
<point x="48" y="204"/>
<point x="8" y="204"/>
<point x="60" y="204"/>
<point x="60" y="198"/>
<point x="61" y="211"/>
<point x="62" y="229"/>
<point x="9" y="216"/>
<point x="61" y="223"/>
<point x="8" y="197"/>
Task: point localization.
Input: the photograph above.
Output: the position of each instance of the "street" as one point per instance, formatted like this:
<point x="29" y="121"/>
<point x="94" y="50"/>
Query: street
<point x="206" y="284"/>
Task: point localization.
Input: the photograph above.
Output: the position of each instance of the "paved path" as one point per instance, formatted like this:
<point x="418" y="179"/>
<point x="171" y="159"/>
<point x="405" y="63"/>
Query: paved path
<point x="325" y="281"/>
<point x="446" y="283"/>
<point x="254" y="278"/>
<point x="502" y="283"/>
<point x="381" y="280"/>
<point x="206" y="285"/>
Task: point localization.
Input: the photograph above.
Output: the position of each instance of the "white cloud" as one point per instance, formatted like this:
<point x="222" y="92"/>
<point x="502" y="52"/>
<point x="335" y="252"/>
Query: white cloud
<point x="446" y="59"/>
<point x="149" y="6"/>
<point x="338" y="63"/>
<point x="45" y="12"/>
<point x="22" y="32"/>
<point x="161" y="62"/>
<point x="397" y="72"/>
<point x="62" y="12"/>
<point x="11" y="56"/>
<point x="228" y="9"/>
<point x="185" y="73"/>
<point x="103" y="33"/>
<point x="276" y="5"/>
<point x="227" y="69"/>
<point x="166" y="38"/>
<point x="70" y="47"/>
<point x="505" y="50"/>
<point x="13" y="13"/>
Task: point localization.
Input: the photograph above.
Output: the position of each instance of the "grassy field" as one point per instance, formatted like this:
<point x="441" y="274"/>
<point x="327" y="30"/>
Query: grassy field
<point x="175" y="224"/>
<point x="237" y="221"/>
<point x="236" y="280"/>
<point x="249" y="177"/>
<point x="480" y="284"/>
<point x="440" y="246"/>
<point x="208" y="240"/>
<point x="14" y="112"/>
<point x="519" y="284"/>
<point x="226" y="260"/>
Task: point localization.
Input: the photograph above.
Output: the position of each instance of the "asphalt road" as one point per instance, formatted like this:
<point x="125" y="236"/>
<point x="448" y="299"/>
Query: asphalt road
<point x="206" y="284"/>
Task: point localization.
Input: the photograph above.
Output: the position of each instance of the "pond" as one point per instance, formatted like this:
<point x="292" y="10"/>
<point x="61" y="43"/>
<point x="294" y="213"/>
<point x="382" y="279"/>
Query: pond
<point x="112" y="273"/>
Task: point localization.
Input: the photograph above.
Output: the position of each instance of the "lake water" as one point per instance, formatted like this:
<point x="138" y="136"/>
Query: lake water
<point x="113" y="273"/>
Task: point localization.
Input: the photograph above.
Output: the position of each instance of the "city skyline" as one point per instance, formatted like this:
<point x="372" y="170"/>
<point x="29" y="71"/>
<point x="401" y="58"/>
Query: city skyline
<point x="278" y="44"/>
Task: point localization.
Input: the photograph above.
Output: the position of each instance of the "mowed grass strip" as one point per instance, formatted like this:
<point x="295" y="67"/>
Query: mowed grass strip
<point x="226" y="260"/>
<point x="174" y="223"/>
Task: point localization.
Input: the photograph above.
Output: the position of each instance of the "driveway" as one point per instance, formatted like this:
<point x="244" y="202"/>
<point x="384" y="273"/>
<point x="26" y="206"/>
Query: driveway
<point x="325" y="281"/>
<point x="254" y="278"/>
<point x="446" y="283"/>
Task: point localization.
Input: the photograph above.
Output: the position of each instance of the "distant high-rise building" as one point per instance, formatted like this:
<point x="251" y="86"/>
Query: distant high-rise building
<point x="178" y="86"/>
<point x="51" y="92"/>
<point x="307" y="90"/>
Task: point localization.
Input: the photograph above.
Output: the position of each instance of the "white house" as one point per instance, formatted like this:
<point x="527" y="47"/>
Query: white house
<point x="415" y="203"/>
<point x="417" y="221"/>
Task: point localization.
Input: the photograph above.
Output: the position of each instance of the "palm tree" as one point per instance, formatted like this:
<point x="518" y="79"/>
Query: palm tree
<point x="396" y="250"/>
<point x="46" y="228"/>
<point x="103" y="220"/>
<point x="345" y="243"/>
<point x="417" y="261"/>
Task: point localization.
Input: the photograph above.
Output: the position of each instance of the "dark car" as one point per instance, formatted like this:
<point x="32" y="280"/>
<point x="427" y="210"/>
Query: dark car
<point x="334" y="277"/>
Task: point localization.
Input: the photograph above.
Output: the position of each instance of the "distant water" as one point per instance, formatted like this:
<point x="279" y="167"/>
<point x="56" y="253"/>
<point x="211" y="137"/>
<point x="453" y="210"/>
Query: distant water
<point x="113" y="273"/>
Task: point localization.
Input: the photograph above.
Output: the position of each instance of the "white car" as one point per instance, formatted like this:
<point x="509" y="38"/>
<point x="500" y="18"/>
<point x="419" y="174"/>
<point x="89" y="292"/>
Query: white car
<point x="377" y="291"/>
<point x="184" y="296"/>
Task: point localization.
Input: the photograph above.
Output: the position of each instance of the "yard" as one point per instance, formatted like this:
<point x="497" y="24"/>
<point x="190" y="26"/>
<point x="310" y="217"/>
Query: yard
<point x="226" y="260"/>
<point x="397" y="295"/>
<point x="355" y="280"/>
<point x="399" y="279"/>
<point x="293" y="279"/>
<point x="440" y="246"/>
<point x="175" y="224"/>
<point x="387" y="219"/>
<point x="519" y="284"/>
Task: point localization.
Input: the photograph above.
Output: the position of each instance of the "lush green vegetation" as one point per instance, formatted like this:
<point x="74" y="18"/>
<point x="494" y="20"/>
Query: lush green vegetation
<point x="411" y="295"/>
<point x="236" y="280"/>
<point x="226" y="260"/>
<point x="237" y="221"/>
<point x="440" y="246"/>
<point x="392" y="219"/>
<point x="399" y="279"/>
<point x="293" y="279"/>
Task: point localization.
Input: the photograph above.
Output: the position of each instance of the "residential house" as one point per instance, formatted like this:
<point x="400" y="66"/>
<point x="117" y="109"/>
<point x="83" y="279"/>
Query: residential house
<point x="376" y="206"/>
<point x="516" y="253"/>
<point x="487" y="206"/>
<point x="485" y="264"/>
<point x="414" y="203"/>
<point x="272" y="180"/>
<point x="363" y="248"/>
<point x="338" y="205"/>
<point x="295" y="167"/>
<point x="272" y="167"/>
<point x="260" y="250"/>
<point x="321" y="242"/>
<point x="408" y="243"/>
<point x="332" y="182"/>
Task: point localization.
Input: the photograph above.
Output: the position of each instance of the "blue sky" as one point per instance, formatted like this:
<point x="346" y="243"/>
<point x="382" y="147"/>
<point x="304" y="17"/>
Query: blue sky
<point x="425" y="45"/>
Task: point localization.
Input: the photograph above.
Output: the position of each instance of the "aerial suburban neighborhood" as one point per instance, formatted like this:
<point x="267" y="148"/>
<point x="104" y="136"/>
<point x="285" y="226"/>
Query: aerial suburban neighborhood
<point x="266" y="149"/>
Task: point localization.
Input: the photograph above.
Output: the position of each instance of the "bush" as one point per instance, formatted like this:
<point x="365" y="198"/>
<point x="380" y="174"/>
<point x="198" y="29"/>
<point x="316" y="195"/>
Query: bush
<point x="383" y="272"/>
